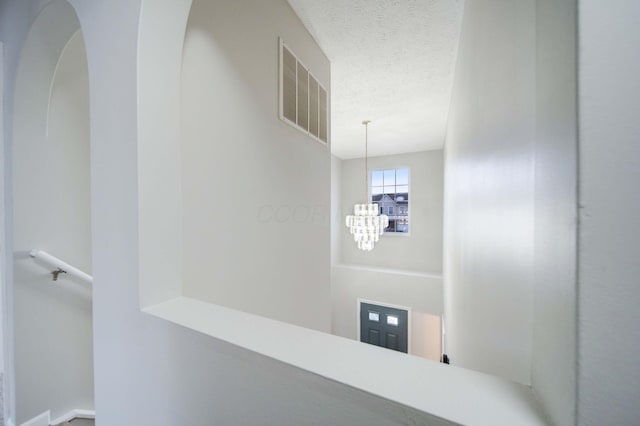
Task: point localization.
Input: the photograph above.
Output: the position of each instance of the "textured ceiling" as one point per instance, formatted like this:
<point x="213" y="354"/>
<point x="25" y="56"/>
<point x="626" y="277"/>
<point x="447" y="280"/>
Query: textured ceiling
<point x="392" y="62"/>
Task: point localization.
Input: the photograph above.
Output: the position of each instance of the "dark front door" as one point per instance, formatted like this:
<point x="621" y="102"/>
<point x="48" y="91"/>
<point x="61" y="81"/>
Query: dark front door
<point x="383" y="326"/>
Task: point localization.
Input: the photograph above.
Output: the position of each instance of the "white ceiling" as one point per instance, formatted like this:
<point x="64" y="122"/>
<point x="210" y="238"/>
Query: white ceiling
<point x="392" y="62"/>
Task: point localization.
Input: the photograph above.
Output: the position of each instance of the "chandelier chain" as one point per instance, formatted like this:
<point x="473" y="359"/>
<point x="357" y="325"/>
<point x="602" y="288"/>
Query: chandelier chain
<point x="367" y="223"/>
<point x="366" y="160"/>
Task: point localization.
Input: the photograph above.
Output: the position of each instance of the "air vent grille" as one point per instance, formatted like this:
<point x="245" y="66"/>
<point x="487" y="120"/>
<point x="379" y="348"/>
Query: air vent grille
<point x="289" y="85"/>
<point x="303" y="99"/>
<point x="314" y="115"/>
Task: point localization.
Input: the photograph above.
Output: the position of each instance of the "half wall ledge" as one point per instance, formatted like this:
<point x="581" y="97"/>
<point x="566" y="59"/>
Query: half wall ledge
<point x="450" y="393"/>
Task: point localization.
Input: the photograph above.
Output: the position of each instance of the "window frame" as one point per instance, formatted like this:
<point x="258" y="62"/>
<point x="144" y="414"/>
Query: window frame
<point x="370" y="195"/>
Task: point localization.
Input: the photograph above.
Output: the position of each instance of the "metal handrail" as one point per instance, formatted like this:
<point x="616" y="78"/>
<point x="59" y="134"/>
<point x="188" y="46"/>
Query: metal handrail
<point x="61" y="266"/>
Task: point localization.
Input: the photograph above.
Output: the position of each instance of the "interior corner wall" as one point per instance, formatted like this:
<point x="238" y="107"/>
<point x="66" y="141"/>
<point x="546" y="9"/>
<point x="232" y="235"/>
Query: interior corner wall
<point x="51" y="210"/>
<point x="337" y="221"/>
<point x="255" y="190"/>
<point x="158" y="150"/>
<point x="609" y="167"/>
<point x="421" y="250"/>
<point x="489" y="192"/>
<point x="553" y="374"/>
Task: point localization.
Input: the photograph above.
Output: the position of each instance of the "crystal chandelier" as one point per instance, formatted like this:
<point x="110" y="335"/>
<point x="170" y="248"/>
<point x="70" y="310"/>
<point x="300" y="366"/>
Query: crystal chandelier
<point x="366" y="225"/>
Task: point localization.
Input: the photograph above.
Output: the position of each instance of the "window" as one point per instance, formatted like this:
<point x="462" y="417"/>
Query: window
<point x="390" y="190"/>
<point x="303" y="100"/>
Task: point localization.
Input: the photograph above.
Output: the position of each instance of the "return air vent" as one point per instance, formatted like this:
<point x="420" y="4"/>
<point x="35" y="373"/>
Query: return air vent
<point x="303" y="99"/>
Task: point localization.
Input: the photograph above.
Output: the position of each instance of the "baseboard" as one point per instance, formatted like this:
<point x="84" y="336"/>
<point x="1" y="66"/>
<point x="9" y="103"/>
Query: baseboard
<point x="40" y="420"/>
<point x="73" y="414"/>
<point x="44" y="419"/>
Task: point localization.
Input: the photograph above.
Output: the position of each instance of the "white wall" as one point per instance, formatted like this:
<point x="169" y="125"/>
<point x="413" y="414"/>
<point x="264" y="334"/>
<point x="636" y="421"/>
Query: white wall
<point x="553" y="370"/>
<point x="254" y="189"/>
<point x="149" y="371"/>
<point x="511" y="160"/>
<point x="609" y="295"/>
<point x="422" y="249"/>
<point x="489" y="192"/>
<point x="51" y="200"/>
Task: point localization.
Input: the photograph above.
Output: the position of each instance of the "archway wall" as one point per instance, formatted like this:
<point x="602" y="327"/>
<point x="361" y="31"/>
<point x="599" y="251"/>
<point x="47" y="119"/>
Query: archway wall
<point x="161" y="39"/>
<point x="51" y="212"/>
<point x="172" y="375"/>
<point x="150" y="371"/>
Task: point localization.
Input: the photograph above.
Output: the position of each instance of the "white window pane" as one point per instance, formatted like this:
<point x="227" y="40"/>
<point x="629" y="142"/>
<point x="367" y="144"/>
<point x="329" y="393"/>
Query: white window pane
<point x="376" y="178"/>
<point x="389" y="177"/>
<point x="402" y="177"/>
<point x="392" y="320"/>
<point x="374" y="316"/>
<point x="390" y="190"/>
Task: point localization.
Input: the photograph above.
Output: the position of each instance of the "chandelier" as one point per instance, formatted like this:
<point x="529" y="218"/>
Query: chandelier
<point x="366" y="225"/>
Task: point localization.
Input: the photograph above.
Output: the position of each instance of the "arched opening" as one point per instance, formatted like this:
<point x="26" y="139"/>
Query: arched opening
<point x="164" y="60"/>
<point x="52" y="213"/>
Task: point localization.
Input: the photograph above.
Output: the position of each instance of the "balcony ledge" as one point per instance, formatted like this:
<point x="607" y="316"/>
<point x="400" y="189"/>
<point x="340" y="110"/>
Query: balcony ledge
<point x="448" y="392"/>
